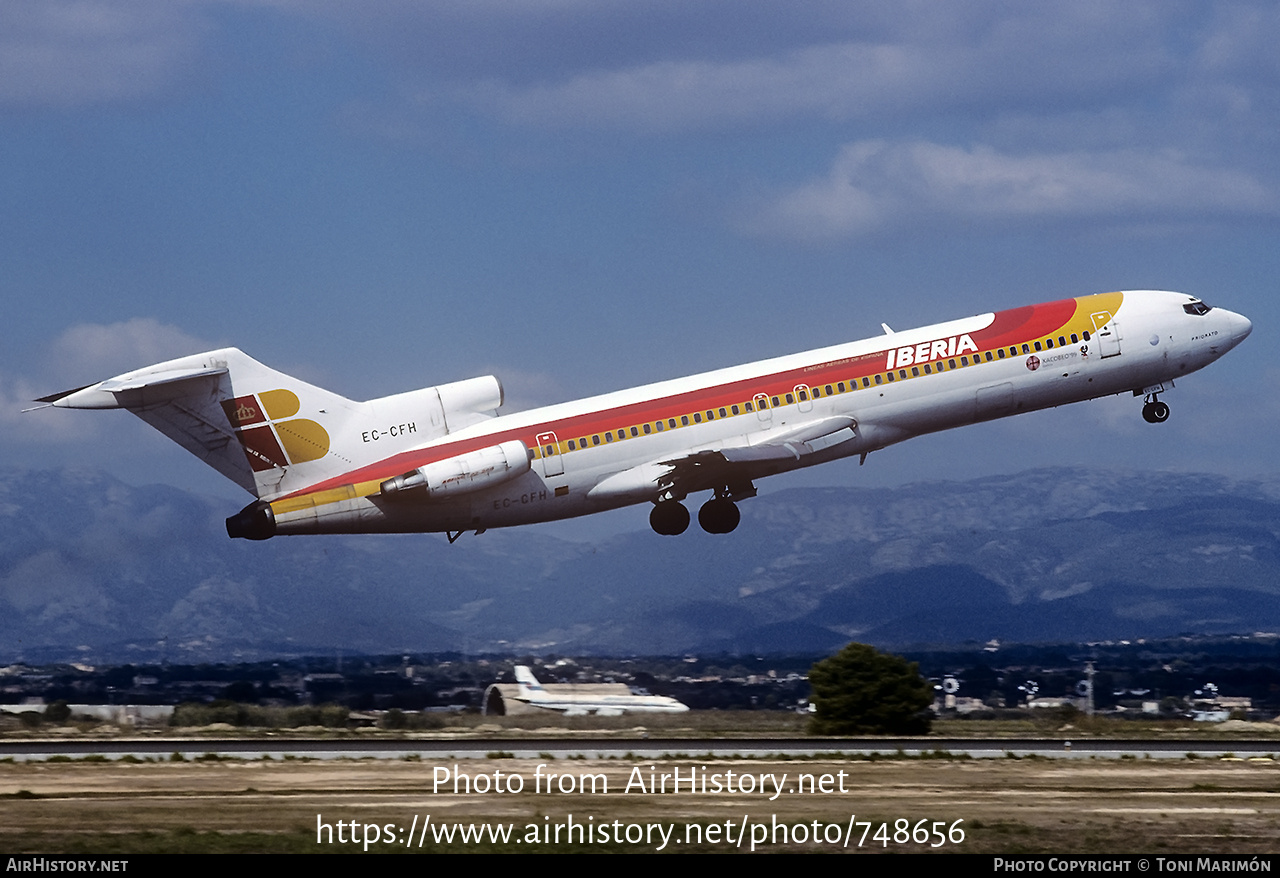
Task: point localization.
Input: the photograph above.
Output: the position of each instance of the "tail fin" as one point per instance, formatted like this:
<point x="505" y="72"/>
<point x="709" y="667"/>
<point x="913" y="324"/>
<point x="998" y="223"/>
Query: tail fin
<point x="273" y="434"/>
<point x="530" y="688"/>
<point x="267" y="432"/>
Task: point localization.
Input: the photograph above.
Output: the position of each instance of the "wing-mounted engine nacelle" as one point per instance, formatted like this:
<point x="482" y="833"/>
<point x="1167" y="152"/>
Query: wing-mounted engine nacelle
<point x="470" y="402"/>
<point x="463" y="473"/>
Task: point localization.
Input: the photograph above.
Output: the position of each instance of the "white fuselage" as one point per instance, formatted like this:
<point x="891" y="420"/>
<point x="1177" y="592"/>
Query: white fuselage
<point x="606" y="705"/>
<point x="609" y="451"/>
<point x="533" y="693"/>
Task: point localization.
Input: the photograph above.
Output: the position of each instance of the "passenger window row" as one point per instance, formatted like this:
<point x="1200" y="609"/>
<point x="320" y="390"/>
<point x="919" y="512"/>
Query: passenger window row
<point x="763" y="401"/>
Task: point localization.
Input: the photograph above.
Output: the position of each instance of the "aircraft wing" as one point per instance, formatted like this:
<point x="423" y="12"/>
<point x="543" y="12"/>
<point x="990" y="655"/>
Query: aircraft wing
<point x="727" y="465"/>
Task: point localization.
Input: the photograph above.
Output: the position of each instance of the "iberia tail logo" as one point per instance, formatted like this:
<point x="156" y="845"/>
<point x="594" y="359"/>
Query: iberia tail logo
<point x="271" y="435"/>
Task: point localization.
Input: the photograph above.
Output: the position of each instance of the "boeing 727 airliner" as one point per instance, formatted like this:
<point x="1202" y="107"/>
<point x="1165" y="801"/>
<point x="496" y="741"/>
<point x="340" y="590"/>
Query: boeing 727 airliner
<point x="441" y="459"/>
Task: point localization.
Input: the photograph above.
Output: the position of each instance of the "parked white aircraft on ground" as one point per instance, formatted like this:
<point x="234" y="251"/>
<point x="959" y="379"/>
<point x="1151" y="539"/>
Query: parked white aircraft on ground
<point x="442" y="460"/>
<point x="532" y="693"/>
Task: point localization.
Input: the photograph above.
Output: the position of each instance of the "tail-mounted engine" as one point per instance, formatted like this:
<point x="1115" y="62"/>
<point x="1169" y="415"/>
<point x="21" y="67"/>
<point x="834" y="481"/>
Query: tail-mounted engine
<point x="463" y="473"/>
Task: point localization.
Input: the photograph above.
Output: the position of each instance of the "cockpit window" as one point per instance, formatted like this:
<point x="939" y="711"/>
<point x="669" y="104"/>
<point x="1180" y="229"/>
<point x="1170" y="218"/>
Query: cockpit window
<point x="1198" y="308"/>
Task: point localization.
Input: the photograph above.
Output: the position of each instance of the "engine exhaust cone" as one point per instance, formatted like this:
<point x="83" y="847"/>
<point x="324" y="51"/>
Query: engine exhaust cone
<point x="255" y="522"/>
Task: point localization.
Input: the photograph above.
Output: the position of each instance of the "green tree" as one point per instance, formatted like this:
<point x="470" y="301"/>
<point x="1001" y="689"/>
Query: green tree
<point x="862" y="691"/>
<point x="58" y="712"/>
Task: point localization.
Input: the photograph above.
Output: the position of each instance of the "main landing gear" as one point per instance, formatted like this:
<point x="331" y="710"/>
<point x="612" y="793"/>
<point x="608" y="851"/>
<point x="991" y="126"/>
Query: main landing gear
<point x="669" y="518"/>
<point x="719" y="515"/>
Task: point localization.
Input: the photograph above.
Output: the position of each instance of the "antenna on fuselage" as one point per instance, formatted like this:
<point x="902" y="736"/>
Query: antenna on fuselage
<point x="887" y="330"/>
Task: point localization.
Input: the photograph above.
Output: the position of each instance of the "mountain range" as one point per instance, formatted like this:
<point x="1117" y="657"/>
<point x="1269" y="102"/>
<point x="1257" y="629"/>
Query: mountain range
<point x="96" y="570"/>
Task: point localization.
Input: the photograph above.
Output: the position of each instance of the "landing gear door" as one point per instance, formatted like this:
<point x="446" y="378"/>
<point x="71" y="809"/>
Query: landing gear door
<point x="549" y="450"/>
<point x="1106" y="334"/>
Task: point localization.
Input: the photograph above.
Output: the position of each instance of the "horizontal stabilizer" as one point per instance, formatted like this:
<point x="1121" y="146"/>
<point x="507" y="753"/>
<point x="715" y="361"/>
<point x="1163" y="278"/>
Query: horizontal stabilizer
<point x="134" y="390"/>
<point x="156" y="379"/>
<point x="55" y="397"/>
<point x="258" y="427"/>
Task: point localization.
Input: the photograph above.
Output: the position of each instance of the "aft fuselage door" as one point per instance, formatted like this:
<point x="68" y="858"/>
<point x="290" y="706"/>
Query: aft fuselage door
<point x="1106" y="334"/>
<point x="549" y="450"/>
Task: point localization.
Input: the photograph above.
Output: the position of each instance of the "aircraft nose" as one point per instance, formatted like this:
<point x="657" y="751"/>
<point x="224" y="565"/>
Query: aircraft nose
<point x="1241" y="326"/>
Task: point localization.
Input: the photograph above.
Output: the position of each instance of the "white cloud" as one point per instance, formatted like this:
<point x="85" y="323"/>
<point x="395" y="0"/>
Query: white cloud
<point x="83" y="354"/>
<point x="828" y="80"/>
<point x="28" y="435"/>
<point x="1241" y="41"/>
<point x="875" y="184"/>
<point x="917" y="57"/>
<point x="73" y="52"/>
<point x="95" y="351"/>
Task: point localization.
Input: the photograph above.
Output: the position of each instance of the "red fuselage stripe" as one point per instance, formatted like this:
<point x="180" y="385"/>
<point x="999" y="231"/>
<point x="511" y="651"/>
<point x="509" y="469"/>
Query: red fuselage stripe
<point x="1008" y="328"/>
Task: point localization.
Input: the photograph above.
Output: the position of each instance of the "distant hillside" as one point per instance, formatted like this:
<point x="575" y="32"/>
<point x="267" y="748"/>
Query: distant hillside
<point x="93" y="568"/>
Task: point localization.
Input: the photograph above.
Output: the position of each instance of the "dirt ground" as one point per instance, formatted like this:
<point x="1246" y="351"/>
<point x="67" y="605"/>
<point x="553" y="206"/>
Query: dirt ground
<point x="1079" y="805"/>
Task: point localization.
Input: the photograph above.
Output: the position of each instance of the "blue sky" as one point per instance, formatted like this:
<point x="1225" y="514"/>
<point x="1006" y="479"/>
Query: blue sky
<point x="581" y="196"/>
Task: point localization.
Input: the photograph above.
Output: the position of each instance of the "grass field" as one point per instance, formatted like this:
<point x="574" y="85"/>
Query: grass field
<point x="1078" y="805"/>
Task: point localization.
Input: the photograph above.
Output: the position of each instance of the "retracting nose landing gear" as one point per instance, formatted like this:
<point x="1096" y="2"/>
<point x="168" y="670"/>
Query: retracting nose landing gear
<point x="1155" y="411"/>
